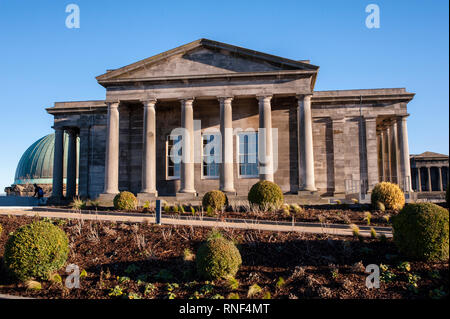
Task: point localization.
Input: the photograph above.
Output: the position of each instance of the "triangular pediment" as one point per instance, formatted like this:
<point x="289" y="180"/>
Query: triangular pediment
<point x="205" y="57"/>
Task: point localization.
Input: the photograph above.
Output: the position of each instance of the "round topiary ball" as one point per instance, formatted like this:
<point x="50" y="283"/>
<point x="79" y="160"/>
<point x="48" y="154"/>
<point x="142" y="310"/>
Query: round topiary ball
<point x="266" y="192"/>
<point x="218" y="258"/>
<point x="36" y="250"/>
<point x="421" y="231"/>
<point x="389" y="194"/>
<point x="125" y="201"/>
<point x="214" y="199"/>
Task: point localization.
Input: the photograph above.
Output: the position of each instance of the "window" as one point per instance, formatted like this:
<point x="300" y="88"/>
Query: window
<point x="211" y="155"/>
<point x="248" y="154"/>
<point x="173" y="157"/>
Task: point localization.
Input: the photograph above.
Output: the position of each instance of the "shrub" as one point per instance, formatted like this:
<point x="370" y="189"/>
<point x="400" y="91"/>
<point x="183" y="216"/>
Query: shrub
<point x="421" y="231"/>
<point x="389" y="194"/>
<point x="36" y="250"/>
<point x="218" y="258"/>
<point x="380" y="206"/>
<point x="265" y="193"/>
<point x="214" y="199"/>
<point x="125" y="201"/>
<point x="1" y="229"/>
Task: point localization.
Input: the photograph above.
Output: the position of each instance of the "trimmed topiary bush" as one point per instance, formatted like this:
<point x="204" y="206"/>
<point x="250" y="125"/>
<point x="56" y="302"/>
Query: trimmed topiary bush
<point x="36" y="250"/>
<point x="266" y="193"/>
<point x="421" y="231"/>
<point x="218" y="258"/>
<point x="214" y="199"/>
<point x="389" y="194"/>
<point x="125" y="201"/>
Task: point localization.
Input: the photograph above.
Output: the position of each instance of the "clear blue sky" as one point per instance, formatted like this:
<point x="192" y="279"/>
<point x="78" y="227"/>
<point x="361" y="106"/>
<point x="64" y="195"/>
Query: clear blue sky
<point x="42" y="61"/>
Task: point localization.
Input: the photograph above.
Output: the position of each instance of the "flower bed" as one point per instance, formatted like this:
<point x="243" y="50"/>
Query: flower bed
<point x="148" y="261"/>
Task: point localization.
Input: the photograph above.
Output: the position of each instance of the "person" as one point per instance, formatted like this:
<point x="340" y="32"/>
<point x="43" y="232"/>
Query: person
<point x="38" y="192"/>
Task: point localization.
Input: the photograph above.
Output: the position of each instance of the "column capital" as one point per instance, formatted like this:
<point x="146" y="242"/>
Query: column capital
<point x="370" y="118"/>
<point x="113" y="104"/>
<point x="338" y="118"/>
<point x="402" y="117"/>
<point x="223" y="99"/>
<point x="72" y="131"/>
<point x="264" y="97"/>
<point x="149" y="102"/>
<point x="187" y="99"/>
<point x="58" y="128"/>
<point x="303" y="96"/>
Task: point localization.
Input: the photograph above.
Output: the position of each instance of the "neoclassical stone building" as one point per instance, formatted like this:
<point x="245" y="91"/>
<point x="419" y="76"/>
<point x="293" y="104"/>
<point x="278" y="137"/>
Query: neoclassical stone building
<point x="326" y="142"/>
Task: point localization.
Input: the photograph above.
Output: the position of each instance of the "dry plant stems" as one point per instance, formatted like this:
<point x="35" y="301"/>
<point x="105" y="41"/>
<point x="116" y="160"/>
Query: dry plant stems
<point x="93" y="234"/>
<point x="140" y="241"/>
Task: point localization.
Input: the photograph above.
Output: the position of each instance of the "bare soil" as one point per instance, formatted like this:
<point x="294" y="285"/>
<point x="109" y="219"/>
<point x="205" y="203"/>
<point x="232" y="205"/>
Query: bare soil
<point x="330" y="214"/>
<point x="126" y="260"/>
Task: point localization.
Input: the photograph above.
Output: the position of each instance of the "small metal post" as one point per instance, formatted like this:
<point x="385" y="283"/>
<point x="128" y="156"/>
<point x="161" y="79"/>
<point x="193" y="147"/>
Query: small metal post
<point x="158" y="212"/>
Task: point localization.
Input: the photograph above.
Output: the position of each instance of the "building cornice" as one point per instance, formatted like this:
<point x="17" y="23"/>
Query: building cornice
<point x="361" y="96"/>
<point x="216" y="77"/>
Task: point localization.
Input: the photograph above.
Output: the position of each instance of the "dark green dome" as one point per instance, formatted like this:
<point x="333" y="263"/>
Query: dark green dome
<point x="36" y="164"/>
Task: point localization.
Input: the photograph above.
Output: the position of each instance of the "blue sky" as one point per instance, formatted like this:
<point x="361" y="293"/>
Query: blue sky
<point x="42" y="61"/>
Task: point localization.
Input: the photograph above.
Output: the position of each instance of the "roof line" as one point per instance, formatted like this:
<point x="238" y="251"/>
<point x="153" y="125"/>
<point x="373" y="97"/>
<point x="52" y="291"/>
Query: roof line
<point x="207" y="43"/>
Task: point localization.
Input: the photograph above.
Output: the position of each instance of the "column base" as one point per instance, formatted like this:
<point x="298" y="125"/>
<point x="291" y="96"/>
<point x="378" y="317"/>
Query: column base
<point x="56" y="200"/>
<point x="306" y="192"/>
<point x="106" y="199"/>
<point x="186" y="195"/>
<point x="229" y="191"/>
<point x="142" y="197"/>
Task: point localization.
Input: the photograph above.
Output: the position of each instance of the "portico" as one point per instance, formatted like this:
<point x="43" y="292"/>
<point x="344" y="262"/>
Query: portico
<point x="270" y="123"/>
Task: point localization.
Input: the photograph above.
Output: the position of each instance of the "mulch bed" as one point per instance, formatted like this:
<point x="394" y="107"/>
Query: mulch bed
<point x="114" y="255"/>
<point x="329" y="214"/>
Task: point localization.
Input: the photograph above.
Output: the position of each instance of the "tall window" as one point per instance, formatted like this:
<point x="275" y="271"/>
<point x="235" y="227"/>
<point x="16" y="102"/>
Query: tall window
<point x="173" y="165"/>
<point x="211" y="155"/>
<point x="248" y="154"/>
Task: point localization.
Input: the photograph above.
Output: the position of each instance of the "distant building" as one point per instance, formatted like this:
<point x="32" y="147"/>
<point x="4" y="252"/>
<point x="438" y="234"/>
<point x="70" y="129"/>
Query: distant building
<point x="36" y="167"/>
<point x="429" y="172"/>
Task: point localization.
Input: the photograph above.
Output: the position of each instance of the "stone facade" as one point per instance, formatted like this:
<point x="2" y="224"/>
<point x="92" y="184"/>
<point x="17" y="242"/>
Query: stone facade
<point x="429" y="172"/>
<point x="328" y="142"/>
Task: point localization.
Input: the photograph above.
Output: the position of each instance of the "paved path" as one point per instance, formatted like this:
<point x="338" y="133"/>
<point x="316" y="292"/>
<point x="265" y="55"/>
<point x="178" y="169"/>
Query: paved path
<point x="312" y="228"/>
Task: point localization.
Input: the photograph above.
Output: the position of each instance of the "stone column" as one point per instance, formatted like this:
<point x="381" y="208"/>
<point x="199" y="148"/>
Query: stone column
<point x="441" y="186"/>
<point x="389" y="153"/>
<point x="371" y="151"/>
<point x="58" y="164"/>
<point x="306" y="155"/>
<point x="265" y="143"/>
<point x="395" y="176"/>
<point x="382" y="156"/>
<point x="430" y="185"/>
<point x="71" y="184"/>
<point x="83" y="166"/>
<point x="149" y="149"/>
<point x="419" y="181"/>
<point x="112" y="150"/>
<point x="402" y="133"/>
<point x="226" y="130"/>
<point x="387" y="171"/>
<point x="187" y="162"/>
<point x="338" y="124"/>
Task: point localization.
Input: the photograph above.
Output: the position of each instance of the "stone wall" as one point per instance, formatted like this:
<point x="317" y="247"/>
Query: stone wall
<point x="342" y="151"/>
